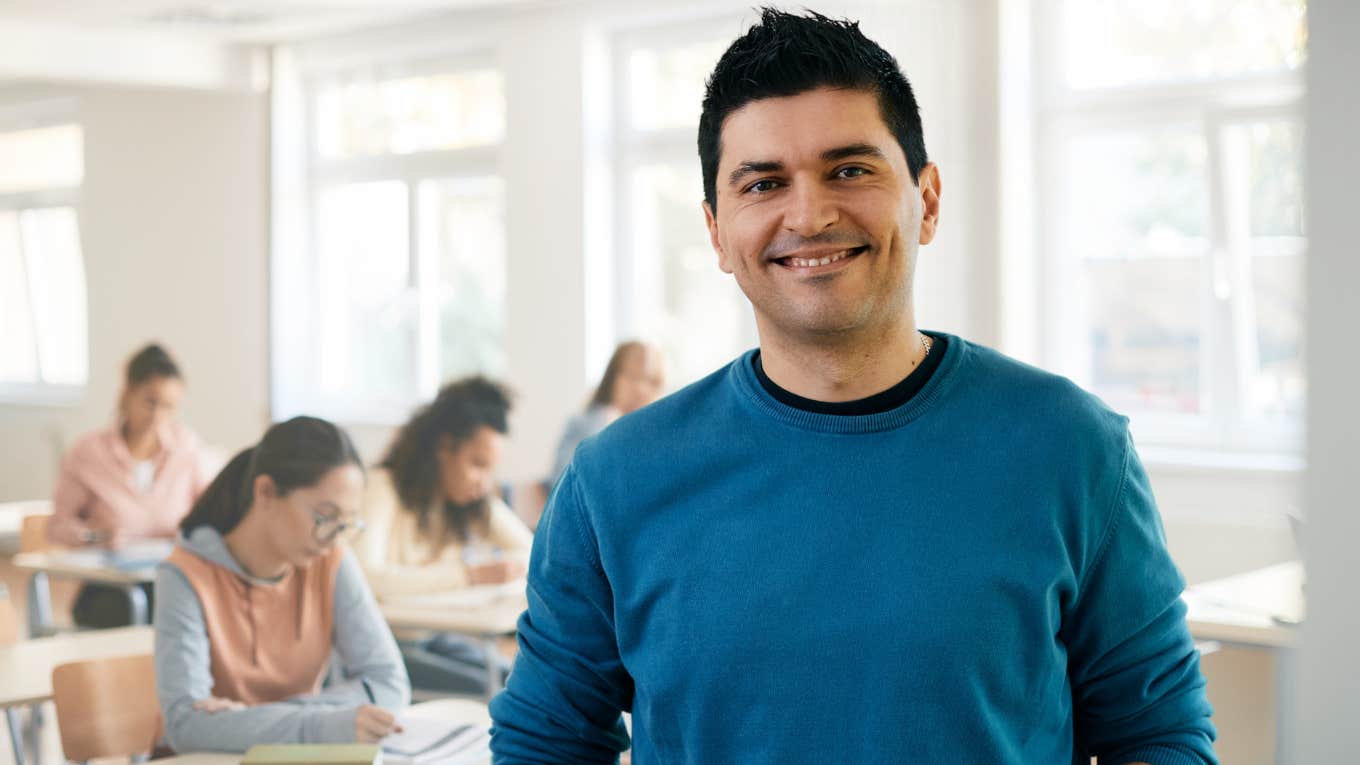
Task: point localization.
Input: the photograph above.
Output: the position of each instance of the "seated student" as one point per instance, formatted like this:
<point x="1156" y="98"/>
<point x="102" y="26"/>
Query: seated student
<point x="257" y="595"/>
<point x="434" y="523"/>
<point x="132" y="480"/>
<point x="633" y="378"/>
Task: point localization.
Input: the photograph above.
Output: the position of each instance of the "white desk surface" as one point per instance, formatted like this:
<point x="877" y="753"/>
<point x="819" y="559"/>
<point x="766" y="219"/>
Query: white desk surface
<point x="76" y="565"/>
<point x="1243" y="609"/>
<point x="26" y="666"/>
<point x="475" y="612"/>
<point x="463" y="710"/>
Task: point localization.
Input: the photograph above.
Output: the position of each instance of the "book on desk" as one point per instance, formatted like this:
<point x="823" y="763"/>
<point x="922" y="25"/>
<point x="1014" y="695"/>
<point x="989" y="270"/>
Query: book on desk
<point x="428" y="741"/>
<point x="421" y="742"/>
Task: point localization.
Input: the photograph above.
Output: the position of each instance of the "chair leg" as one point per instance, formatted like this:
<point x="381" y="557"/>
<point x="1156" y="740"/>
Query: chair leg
<point x="39" y="605"/>
<point x="137" y="604"/>
<point x="34" y="733"/>
<point x="16" y="737"/>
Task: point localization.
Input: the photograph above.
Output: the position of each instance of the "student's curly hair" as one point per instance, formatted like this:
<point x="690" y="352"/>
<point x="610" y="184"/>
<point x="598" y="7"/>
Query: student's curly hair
<point x="461" y="409"/>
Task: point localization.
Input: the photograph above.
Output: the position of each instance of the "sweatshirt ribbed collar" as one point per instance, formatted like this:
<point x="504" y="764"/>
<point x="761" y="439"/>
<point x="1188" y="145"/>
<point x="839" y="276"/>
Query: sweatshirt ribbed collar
<point x="741" y="374"/>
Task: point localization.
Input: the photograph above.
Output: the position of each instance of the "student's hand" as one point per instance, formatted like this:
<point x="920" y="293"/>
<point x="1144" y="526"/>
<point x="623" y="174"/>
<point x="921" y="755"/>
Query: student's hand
<point x="214" y="704"/>
<point x="372" y="723"/>
<point x="495" y="572"/>
<point x="113" y="538"/>
<point x="72" y="534"/>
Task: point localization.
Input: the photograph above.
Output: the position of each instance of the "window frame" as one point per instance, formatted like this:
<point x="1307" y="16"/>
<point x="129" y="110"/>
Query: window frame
<point x="322" y="174"/>
<point x="1212" y="107"/>
<point x="635" y="148"/>
<point x="29" y="116"/>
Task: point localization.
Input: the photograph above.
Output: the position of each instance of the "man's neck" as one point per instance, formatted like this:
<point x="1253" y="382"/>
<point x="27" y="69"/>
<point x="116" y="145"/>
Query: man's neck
<point x="843" y="369"/>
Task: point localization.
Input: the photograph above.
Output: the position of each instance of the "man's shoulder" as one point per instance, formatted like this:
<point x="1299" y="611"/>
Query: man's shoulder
<point x="1025" y="391"/>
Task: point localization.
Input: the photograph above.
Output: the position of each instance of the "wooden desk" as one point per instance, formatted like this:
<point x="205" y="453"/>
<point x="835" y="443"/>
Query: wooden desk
<point x="484" y="613"/>
<point x="26" y="667"/>
<point x="461" y="710"/>
<point x="201" y="758"/>
<point x="1257" y="610"/>
<point x="79" y="564"/>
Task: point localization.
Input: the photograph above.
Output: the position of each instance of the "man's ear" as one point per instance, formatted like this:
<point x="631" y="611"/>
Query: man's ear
<point x="711" y="221"/>
<point x="929" y="187"/>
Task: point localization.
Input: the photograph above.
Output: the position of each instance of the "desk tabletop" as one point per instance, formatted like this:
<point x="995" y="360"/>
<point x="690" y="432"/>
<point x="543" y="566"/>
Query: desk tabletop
<point x="475" y="612"/>
<point x="463" y="710"/>
<point x="82" y="564"/>
<point x="1254" y="608"/>
<point x="26" y="667"/>
<point x="201" y="758"/>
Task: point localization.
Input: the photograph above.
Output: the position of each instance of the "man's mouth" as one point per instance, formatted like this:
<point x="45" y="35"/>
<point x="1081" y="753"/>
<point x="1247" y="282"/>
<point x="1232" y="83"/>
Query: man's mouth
<point x="819" y="259"/>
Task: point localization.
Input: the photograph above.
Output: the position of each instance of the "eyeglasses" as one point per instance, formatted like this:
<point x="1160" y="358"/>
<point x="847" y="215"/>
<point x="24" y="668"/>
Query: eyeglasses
<point x="326" y="529"/>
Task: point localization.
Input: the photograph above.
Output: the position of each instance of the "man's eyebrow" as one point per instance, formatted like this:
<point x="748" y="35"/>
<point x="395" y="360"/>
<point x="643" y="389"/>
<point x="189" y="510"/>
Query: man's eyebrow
<point x="752" y="168"/>
<point x="853" y="150"/>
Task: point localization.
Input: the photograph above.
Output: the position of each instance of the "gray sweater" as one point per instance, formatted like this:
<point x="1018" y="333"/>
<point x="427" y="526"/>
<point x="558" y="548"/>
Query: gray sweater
<point x="362" y="644"/>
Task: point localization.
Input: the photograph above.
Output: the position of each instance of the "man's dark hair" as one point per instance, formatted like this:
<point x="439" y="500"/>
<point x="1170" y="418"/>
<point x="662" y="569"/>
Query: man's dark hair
<point x="787" y="54"/>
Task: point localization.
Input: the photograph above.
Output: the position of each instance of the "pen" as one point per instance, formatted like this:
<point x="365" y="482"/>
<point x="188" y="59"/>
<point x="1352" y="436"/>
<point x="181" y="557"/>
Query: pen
<point x="368" y="691"/>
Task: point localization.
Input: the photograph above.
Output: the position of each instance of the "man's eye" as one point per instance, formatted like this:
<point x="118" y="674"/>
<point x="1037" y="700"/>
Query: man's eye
<point x="760" y="187"/>
<point x="851" y="172"/>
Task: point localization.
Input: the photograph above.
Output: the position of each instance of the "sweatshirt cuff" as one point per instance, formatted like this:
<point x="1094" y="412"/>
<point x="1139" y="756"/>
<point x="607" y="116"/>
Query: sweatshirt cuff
<point x="335" y="726"/>
<point x="1157" y="755"/>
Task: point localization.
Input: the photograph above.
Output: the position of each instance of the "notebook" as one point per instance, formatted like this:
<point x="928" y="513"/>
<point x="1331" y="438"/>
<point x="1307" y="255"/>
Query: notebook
<point x="429" y="741"/>
<point x="313" y="754"/>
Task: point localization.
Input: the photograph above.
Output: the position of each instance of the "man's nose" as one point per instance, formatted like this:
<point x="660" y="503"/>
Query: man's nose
<point x="811" y="210"/>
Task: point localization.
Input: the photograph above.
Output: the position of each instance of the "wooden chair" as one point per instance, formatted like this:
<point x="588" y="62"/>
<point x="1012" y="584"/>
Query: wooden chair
<point x="33" y="538"/>
<point x="9" y="634"/>
<point x="9" y="619"/>
<point x="33" y="533"/>
<point x="106" y="707"/>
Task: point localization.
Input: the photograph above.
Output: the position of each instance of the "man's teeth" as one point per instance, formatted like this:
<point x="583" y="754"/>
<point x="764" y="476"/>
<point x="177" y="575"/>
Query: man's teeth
<point x="809" y="263"/>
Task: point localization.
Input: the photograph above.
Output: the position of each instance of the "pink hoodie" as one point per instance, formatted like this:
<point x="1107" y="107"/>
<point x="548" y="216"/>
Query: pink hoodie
<point x="97" y="487"/>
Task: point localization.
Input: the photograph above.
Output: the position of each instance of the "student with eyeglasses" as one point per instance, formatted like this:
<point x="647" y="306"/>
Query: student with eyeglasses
<point x="258" y="594"/>
<point x="436" y="523"/>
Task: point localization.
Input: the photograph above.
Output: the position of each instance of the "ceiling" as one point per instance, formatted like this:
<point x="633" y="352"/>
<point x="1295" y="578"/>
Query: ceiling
<point x="234" y="21"/>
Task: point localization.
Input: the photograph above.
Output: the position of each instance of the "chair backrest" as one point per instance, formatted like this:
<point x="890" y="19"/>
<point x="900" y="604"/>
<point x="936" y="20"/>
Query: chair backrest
<point x="9" y="619"/>
<point x="106" y="707"/>
<point x="33" y="533"/>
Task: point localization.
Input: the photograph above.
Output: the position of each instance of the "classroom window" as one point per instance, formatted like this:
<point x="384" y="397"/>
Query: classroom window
<point x="669" y="286"/>
<point x="1171" y="216"/>
<point x="44" y="351"/>
<point x="406" y="239"/>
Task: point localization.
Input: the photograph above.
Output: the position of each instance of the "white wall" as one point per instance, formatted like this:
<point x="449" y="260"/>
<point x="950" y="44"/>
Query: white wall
<point x="1329" y="687"/>
<point x="172" y="219"/>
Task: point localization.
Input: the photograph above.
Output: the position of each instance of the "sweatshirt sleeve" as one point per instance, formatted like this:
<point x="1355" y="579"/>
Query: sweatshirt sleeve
<point x="1136" y="685"/>
<point x="365" y="646"/>
<point x="184" y="676"/>
<point x="562" y="702"/>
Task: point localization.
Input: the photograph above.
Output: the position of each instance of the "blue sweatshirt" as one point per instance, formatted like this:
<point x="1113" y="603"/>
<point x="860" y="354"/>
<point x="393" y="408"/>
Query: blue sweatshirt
<point x="977" y="576"/>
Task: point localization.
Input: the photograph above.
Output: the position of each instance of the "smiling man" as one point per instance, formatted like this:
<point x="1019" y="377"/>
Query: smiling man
<point x="862" y="542"/>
